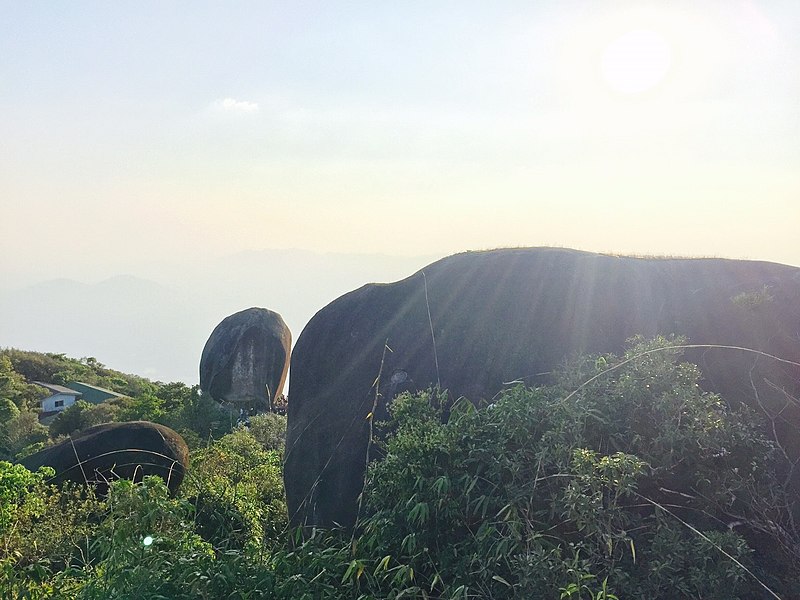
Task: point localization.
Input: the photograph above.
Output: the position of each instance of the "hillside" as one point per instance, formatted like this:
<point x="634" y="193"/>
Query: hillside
<point x="174" y="404"/>
<point x="623" y="479"/>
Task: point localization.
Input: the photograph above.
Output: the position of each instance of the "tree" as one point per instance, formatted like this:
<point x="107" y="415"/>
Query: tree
<point x="69" y="420"/>
<point x="146" y="407"/>
<point x="14" y="387"/>
<point x="175" y="394"/>
<point x="82" y="415"/>
<point x="24" y="431"/>
<point x="270" y="430"/>
<point x="8" y="411"/>
<point x="200" y="418"/>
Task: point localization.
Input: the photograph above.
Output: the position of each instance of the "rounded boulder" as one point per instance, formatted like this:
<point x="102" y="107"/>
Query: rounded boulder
<point x="111" y="451"/>
<point x="246" y="359"/>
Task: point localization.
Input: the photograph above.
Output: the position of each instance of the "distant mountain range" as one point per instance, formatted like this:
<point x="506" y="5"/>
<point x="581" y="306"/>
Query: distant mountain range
<point x="155" y="322"/>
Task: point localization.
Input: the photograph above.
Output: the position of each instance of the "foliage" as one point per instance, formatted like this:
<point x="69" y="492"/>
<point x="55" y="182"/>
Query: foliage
<point x="753" y="299"/>
<point x="16" y="485"/>
<point x="82" y="415"/>
<point x="139" y="543"/>
<point x="556" y="492"/>
<point x="41" y="528"/>
<point x="270" y="430"/>
<point x="199" y="418"/>
<point x="147" y="407"/>
<point x="21" y="433"/>
<point x="14" y="387"/>
<point x="237" y="488"/>
<point x="174" y="395"/>
<point x="60" y="369"/>
<point x="146" y="545"/>
<point x="622" y="479"/>
<point x="8" y="411"/>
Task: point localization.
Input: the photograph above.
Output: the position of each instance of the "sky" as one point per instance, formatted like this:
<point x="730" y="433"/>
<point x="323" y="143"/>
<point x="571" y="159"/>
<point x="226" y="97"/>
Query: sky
<point x="185" y="130"/>
<point x="182" y="131"/>
<point x="135" y="134"/>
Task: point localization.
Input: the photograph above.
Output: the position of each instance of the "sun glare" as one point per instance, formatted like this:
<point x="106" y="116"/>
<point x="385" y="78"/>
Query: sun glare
<point x="636" y="61"/>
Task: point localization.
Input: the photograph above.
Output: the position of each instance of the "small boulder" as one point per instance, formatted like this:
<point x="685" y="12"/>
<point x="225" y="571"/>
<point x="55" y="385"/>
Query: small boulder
<point x="112" y="451"/>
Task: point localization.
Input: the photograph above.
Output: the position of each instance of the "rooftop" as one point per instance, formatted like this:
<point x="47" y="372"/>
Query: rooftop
<point x="58" y="389"/>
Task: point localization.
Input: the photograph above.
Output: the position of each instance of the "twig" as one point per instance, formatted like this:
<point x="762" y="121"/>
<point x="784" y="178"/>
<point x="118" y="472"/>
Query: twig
<point x="433" y="336"/>
<point x="706" y="538"/>
<point x="80" y="463"/>
<point x="371" y="419"/>
<point x="676" y="347"/>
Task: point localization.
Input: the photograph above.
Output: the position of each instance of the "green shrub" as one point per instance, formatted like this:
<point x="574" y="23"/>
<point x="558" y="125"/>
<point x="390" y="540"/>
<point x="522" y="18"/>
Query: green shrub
<point x="42" y="529"/>
<point x="237" y="487"/>
<point x="21" y="432"/>
<point x="555" y="491"/>
<point x="145" y="546"/>
<point x="200" y="414"/>
<point x="270" y="430"/>
<point x="81" y="416"/>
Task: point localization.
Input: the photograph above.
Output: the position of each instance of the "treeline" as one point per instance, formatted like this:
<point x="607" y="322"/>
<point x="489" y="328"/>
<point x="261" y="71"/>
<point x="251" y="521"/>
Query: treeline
<point x="622" y="479"/>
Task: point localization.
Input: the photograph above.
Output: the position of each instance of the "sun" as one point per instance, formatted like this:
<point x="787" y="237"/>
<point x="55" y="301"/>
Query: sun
<point x="636" y="61"/>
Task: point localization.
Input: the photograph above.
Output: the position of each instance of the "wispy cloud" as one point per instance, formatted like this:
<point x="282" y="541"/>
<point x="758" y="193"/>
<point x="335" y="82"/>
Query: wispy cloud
<point x="234" y="105"/>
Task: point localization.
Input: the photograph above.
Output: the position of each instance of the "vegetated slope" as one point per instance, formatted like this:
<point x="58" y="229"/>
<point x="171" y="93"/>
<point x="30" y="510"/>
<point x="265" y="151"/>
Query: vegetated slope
<point x="174" y="404"/>
<point x="55" y="368"/>
<point x="622" y="479"/>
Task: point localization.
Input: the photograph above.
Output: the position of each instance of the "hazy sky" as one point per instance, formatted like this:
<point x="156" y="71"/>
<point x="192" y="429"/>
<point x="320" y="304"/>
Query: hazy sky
<point x="133" y="132"/>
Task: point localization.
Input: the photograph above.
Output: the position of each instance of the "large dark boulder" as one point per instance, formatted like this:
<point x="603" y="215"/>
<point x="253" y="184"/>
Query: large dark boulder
<point x="246" y="359"/>
<point x="515" y="314"/>
<point x="112" y="451"/>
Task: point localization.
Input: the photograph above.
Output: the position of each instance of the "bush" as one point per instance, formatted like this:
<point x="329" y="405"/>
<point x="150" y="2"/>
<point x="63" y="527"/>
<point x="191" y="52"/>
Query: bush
<point x="147" y="407"/>
<point x="237" y="488"/>
<point x="21" y="432"/>
<point x="270" y="430"/>
<point x="42" y="529"/>
<point x="8" y="411"/>
<point x="553" y="492"/>
<point x="144" y="547"/>
<point x="82" y="415"/>
<point x="201" y="415"/>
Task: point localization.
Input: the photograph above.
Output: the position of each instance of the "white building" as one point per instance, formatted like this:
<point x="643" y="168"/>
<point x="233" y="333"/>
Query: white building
<point x="61" y="398"/>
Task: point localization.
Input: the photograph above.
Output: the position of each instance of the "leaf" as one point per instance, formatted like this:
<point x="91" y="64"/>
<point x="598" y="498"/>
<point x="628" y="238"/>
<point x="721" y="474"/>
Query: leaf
<point x="501" y="580"/>
<point x="461" y="408"/>
<point x="352" y="567"/>
<point x="436" y="579"/>
<point x="503" y="510"/>
<point x="383" y="565"/>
